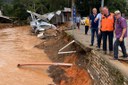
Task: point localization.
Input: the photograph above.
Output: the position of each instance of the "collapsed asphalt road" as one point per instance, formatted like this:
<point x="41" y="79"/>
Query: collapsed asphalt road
<point x="17" y="46"/>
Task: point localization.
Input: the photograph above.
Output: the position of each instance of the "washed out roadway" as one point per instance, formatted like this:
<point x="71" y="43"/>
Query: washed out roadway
<point x="17" y="46"/>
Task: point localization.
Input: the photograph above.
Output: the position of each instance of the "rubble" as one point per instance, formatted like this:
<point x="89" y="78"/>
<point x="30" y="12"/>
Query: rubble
<point x="47" y="33"/>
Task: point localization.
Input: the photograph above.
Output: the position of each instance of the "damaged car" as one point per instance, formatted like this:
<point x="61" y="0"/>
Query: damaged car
<point x="40" y="25"/>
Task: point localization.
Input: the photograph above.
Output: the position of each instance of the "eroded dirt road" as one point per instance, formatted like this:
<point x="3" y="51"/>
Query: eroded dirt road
<point x="17" y="46"/>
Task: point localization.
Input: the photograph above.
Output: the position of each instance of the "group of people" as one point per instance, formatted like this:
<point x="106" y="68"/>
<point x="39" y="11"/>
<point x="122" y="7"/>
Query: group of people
<point x="104" y="24"/>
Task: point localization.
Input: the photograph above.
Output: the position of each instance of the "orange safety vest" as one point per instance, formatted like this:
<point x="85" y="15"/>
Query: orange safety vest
<point x="107" y="23"/>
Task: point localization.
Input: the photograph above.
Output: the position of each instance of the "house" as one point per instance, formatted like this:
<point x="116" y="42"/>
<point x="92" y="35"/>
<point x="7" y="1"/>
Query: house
<point x="61" y="16"/>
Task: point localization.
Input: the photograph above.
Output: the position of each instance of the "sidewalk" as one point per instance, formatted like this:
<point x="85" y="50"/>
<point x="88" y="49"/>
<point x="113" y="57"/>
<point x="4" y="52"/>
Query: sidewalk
<point x="84" y="40"/>
<point x="88" y="37"/>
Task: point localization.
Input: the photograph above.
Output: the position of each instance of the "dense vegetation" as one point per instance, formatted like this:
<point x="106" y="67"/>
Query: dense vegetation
<point x="84" y="6"/>
<point x="17" y="8"/>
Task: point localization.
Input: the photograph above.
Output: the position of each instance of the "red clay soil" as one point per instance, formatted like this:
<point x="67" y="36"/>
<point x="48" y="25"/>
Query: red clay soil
<point x="74" y="75"/>
<point x="77" y="76"/>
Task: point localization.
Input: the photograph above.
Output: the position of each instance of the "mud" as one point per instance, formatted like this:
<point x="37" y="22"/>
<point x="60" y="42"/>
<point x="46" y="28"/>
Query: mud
<point x="6" y="25"/>
<point x="75" y="75"/>
<point x="17" y="47"/>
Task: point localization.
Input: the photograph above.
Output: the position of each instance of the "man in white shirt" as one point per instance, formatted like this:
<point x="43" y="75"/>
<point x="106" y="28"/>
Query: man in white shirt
<point x="78" y="19"/>
<point x="99" y="17"/>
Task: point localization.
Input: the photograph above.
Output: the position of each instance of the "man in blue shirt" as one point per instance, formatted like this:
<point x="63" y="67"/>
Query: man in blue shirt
<point x="78" y="19"/>
<point x="94" y="26"/>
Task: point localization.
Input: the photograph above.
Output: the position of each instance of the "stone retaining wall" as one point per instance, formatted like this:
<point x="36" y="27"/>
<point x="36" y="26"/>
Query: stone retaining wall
<point x="103" y="73"/>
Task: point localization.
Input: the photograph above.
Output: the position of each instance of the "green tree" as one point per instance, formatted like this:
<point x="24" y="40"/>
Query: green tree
<point x="7" y="9"/>
<point x="117" y="5"/>
<point x="84" y="7"/>
<point x="17" y="8"/>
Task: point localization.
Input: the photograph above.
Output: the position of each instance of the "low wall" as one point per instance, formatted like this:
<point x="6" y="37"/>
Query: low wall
<point x="103" y="72"/>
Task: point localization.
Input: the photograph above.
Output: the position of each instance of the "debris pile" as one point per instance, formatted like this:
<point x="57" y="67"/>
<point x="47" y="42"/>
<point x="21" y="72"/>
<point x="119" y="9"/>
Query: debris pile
<point x="47" y="33"/>
<point x="53" y="32"/>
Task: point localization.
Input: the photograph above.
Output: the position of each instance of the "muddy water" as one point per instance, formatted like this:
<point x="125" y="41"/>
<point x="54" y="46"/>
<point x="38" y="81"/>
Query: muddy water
<point x="17" y="46"/>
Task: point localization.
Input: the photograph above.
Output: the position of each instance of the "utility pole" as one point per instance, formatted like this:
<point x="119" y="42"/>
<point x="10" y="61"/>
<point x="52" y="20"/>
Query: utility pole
<point x="102" y="3"/>
<point x="73" y="12"/>
<point x="72" y="8"/>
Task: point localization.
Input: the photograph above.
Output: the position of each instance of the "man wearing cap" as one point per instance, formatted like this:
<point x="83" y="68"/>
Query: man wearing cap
<point x="121" y="34"/>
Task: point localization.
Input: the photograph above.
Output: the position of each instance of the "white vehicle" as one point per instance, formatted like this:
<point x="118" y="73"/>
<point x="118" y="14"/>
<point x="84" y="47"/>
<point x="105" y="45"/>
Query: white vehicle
<point x="83" y="20"/>
<point x="40" y="25"/>
<point x="39" y="22"/>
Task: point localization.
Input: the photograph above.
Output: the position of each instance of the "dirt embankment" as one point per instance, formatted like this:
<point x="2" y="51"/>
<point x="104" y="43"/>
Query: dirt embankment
<point x="75" y="75"/>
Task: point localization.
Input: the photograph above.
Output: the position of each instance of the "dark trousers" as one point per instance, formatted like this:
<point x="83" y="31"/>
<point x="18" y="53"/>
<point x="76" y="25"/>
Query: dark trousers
<point x="86" y="29"/>
<point x="93" y="32"/>
<point x="99" y="39"/>
<point x="122" y="45"/>
<point x="107" y="35"/>
<point x="78" y="25"/>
